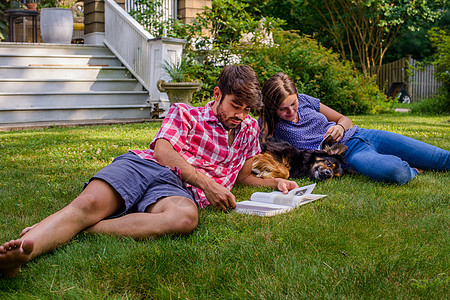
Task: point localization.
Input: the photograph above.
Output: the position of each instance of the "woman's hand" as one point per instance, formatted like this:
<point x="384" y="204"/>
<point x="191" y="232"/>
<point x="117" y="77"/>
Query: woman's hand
<point x="343" y="123"/>
<point x="335" y="132"/>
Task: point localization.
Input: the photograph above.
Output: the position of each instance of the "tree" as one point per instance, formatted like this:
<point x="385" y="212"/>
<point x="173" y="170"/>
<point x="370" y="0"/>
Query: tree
<point x="363" y="30"/>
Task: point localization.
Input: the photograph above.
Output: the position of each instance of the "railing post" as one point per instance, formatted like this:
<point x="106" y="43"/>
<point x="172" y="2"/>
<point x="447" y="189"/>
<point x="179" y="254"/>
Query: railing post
<point x="162" y="49"/>
<point x="141" y="53"/>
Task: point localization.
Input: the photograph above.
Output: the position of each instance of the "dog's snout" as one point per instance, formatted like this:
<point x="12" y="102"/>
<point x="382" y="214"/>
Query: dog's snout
<point x="328" y="173"/>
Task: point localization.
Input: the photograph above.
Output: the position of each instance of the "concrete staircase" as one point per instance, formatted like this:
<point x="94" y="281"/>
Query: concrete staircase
<point x="47" y="82"/>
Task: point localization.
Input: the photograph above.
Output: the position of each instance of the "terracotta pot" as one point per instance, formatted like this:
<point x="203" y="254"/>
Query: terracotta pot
<point x="31" y="6"/>
<point x="179" y="92"/>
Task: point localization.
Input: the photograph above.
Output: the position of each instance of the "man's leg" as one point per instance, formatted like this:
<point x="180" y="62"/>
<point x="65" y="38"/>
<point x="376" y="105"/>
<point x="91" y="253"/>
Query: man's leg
<point x="98" y="201"/>
<point x="169" y="215"/>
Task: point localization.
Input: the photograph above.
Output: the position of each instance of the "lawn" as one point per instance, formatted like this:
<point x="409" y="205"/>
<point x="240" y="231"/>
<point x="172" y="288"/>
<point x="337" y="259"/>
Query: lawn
<point x="364" y="240"/>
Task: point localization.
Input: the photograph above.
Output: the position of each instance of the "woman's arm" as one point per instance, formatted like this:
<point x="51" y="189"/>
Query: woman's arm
<point x="343" y="123"/>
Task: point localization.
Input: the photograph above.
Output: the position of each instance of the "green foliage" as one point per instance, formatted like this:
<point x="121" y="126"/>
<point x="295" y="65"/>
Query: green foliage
<point x="208" y="74"/>
<point x="439" y="105"/>
<point x="440" y="39"/>
<point x="149" y="13"/>
<point x="226" y="22"/>
<point x="359" y="30"/>
<point x="3" y="21"/>
<point x="364" y="240"/>
<point x="178" y="70"/>
<point x="318" y="72"/>
<point x="56" y="3"/>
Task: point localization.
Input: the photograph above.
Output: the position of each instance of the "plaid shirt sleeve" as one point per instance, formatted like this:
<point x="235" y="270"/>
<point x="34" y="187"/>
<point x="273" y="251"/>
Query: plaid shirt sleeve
<point x="174" y="128"/>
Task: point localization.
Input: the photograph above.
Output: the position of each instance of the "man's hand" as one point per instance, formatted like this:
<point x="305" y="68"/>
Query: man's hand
<point x="216" y="194"/>
<point x="219" y="196"/>
<point x="285" y="186"/>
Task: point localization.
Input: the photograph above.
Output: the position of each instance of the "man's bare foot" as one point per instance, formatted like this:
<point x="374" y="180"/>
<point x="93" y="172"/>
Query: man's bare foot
<point x="14" y="254"/>
<point x="27" y="229"/>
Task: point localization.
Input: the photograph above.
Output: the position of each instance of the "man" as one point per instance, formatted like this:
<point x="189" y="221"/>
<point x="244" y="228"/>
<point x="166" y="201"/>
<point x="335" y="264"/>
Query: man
<point x="194" y="160"/>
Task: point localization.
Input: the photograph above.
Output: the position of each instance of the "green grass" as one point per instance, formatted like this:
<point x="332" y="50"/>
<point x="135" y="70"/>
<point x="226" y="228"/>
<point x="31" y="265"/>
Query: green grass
<point x="365" y="240"/>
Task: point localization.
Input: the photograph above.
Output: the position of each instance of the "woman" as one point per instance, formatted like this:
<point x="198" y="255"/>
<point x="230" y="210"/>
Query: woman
<point x="304" y="122"/>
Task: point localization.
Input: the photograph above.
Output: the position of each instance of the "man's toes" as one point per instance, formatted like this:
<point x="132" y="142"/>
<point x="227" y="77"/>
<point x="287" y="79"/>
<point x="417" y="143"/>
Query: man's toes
<point x="27" y="246"/>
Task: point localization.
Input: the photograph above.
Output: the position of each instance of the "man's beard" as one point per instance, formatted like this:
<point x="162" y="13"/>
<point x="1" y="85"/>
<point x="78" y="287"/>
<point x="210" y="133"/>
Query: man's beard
<point x="223" y="119"/>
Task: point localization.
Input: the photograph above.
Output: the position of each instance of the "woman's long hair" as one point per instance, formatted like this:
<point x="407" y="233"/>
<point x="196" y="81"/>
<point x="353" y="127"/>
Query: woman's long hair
<point x="275" y="90"/>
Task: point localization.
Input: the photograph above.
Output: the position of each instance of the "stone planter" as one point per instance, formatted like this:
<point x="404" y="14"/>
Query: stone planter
<point x="179" y="92"/>
<point x="56" y="25"/>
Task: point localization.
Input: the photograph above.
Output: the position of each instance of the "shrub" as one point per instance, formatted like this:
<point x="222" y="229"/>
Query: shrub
<point x="208" y="74"/>
<point x="318" y="72"/>
<point x="440" y="39"/>
<point x="439" y="105"/>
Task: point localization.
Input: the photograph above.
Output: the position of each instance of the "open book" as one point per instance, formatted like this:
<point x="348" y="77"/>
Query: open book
<point x="269" y="204"/>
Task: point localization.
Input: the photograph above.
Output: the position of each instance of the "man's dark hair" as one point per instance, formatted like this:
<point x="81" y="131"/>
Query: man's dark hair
<point x="242" y="82"/>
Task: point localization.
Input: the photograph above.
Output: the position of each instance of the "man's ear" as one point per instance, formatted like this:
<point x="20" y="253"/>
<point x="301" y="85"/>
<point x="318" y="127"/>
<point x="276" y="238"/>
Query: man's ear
<point x="217" y="94"/>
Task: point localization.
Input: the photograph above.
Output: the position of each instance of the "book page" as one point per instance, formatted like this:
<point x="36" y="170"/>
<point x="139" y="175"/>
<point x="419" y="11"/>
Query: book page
<point x="277" y="197"/>
<point x="269" y="204"/>
<point x="260" y="208"/>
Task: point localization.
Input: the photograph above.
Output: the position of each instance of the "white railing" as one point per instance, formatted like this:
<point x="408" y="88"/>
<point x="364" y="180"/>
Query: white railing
<point x="167" y="10"/>
<point x="141" y="53"/>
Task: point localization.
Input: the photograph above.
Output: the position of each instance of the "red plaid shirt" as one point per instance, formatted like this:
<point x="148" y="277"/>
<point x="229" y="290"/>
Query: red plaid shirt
<point x="197" y="134"/>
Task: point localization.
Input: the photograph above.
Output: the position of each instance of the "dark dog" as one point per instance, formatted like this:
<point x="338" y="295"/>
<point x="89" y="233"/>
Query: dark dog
<point x="280" y="159"/>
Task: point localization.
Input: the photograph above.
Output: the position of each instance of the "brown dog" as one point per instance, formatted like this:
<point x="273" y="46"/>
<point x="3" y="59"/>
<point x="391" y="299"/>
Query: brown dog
<point x="279" y="159"/>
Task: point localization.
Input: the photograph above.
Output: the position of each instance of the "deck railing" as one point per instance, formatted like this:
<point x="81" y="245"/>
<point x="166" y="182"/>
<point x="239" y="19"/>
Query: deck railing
<point x="141" y="53"/>
<point x="168" y="8"/>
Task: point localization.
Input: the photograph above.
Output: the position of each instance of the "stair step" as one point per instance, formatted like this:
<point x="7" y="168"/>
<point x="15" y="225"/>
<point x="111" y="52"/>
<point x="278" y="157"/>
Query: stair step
<point x="137" y="106"/>
<point x="26" y="100"/>
<point x="48" y="82"/>
<point x="52" y="49"/>
<point x="74" y="114"/>
<point x="54" y="72"/>
<point x="17" y="85"/>
<point x="55" y="60"/>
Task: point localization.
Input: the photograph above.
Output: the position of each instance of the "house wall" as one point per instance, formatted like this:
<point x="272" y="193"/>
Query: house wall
<point x="188" y="9"/>
<point x="94" y="16"/>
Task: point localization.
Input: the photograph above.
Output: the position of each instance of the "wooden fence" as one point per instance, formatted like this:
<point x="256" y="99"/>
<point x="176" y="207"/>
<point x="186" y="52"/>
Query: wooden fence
<point x="419" y="79"/>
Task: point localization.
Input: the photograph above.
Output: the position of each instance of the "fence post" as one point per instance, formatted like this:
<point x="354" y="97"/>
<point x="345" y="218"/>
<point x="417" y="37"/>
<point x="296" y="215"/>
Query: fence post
<point x="408" y="83"/>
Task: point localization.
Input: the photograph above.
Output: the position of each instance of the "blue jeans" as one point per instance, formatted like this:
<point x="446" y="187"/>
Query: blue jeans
<point x="391" y="157"/>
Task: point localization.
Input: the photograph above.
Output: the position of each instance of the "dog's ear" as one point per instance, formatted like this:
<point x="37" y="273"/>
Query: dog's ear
<point x="336" y="149"/>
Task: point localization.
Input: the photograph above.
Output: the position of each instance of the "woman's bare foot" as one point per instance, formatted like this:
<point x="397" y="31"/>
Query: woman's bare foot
<point x="420" y="171"/>
<point x="13" y="255"/>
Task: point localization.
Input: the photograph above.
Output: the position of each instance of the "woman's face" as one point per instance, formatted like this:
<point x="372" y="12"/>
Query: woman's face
<point x="288" y="109"/>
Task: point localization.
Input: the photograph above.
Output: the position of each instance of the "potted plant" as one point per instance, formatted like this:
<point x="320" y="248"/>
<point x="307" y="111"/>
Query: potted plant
<point x="56" y="22"/>
<point x="181" y="87"/>
<point x="31" y="5"/>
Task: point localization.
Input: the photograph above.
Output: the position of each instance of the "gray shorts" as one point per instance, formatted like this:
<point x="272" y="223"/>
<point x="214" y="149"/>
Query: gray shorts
<point x="141" y="182"/>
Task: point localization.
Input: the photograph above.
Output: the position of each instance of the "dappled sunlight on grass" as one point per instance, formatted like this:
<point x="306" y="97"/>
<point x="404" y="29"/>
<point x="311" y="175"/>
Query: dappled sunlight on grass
<point x="365" y="238"/>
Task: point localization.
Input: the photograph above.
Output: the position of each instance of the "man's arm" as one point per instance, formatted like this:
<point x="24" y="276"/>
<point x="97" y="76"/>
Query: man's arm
<point x="216" y="194"/>
<point x="246" y="177"/>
